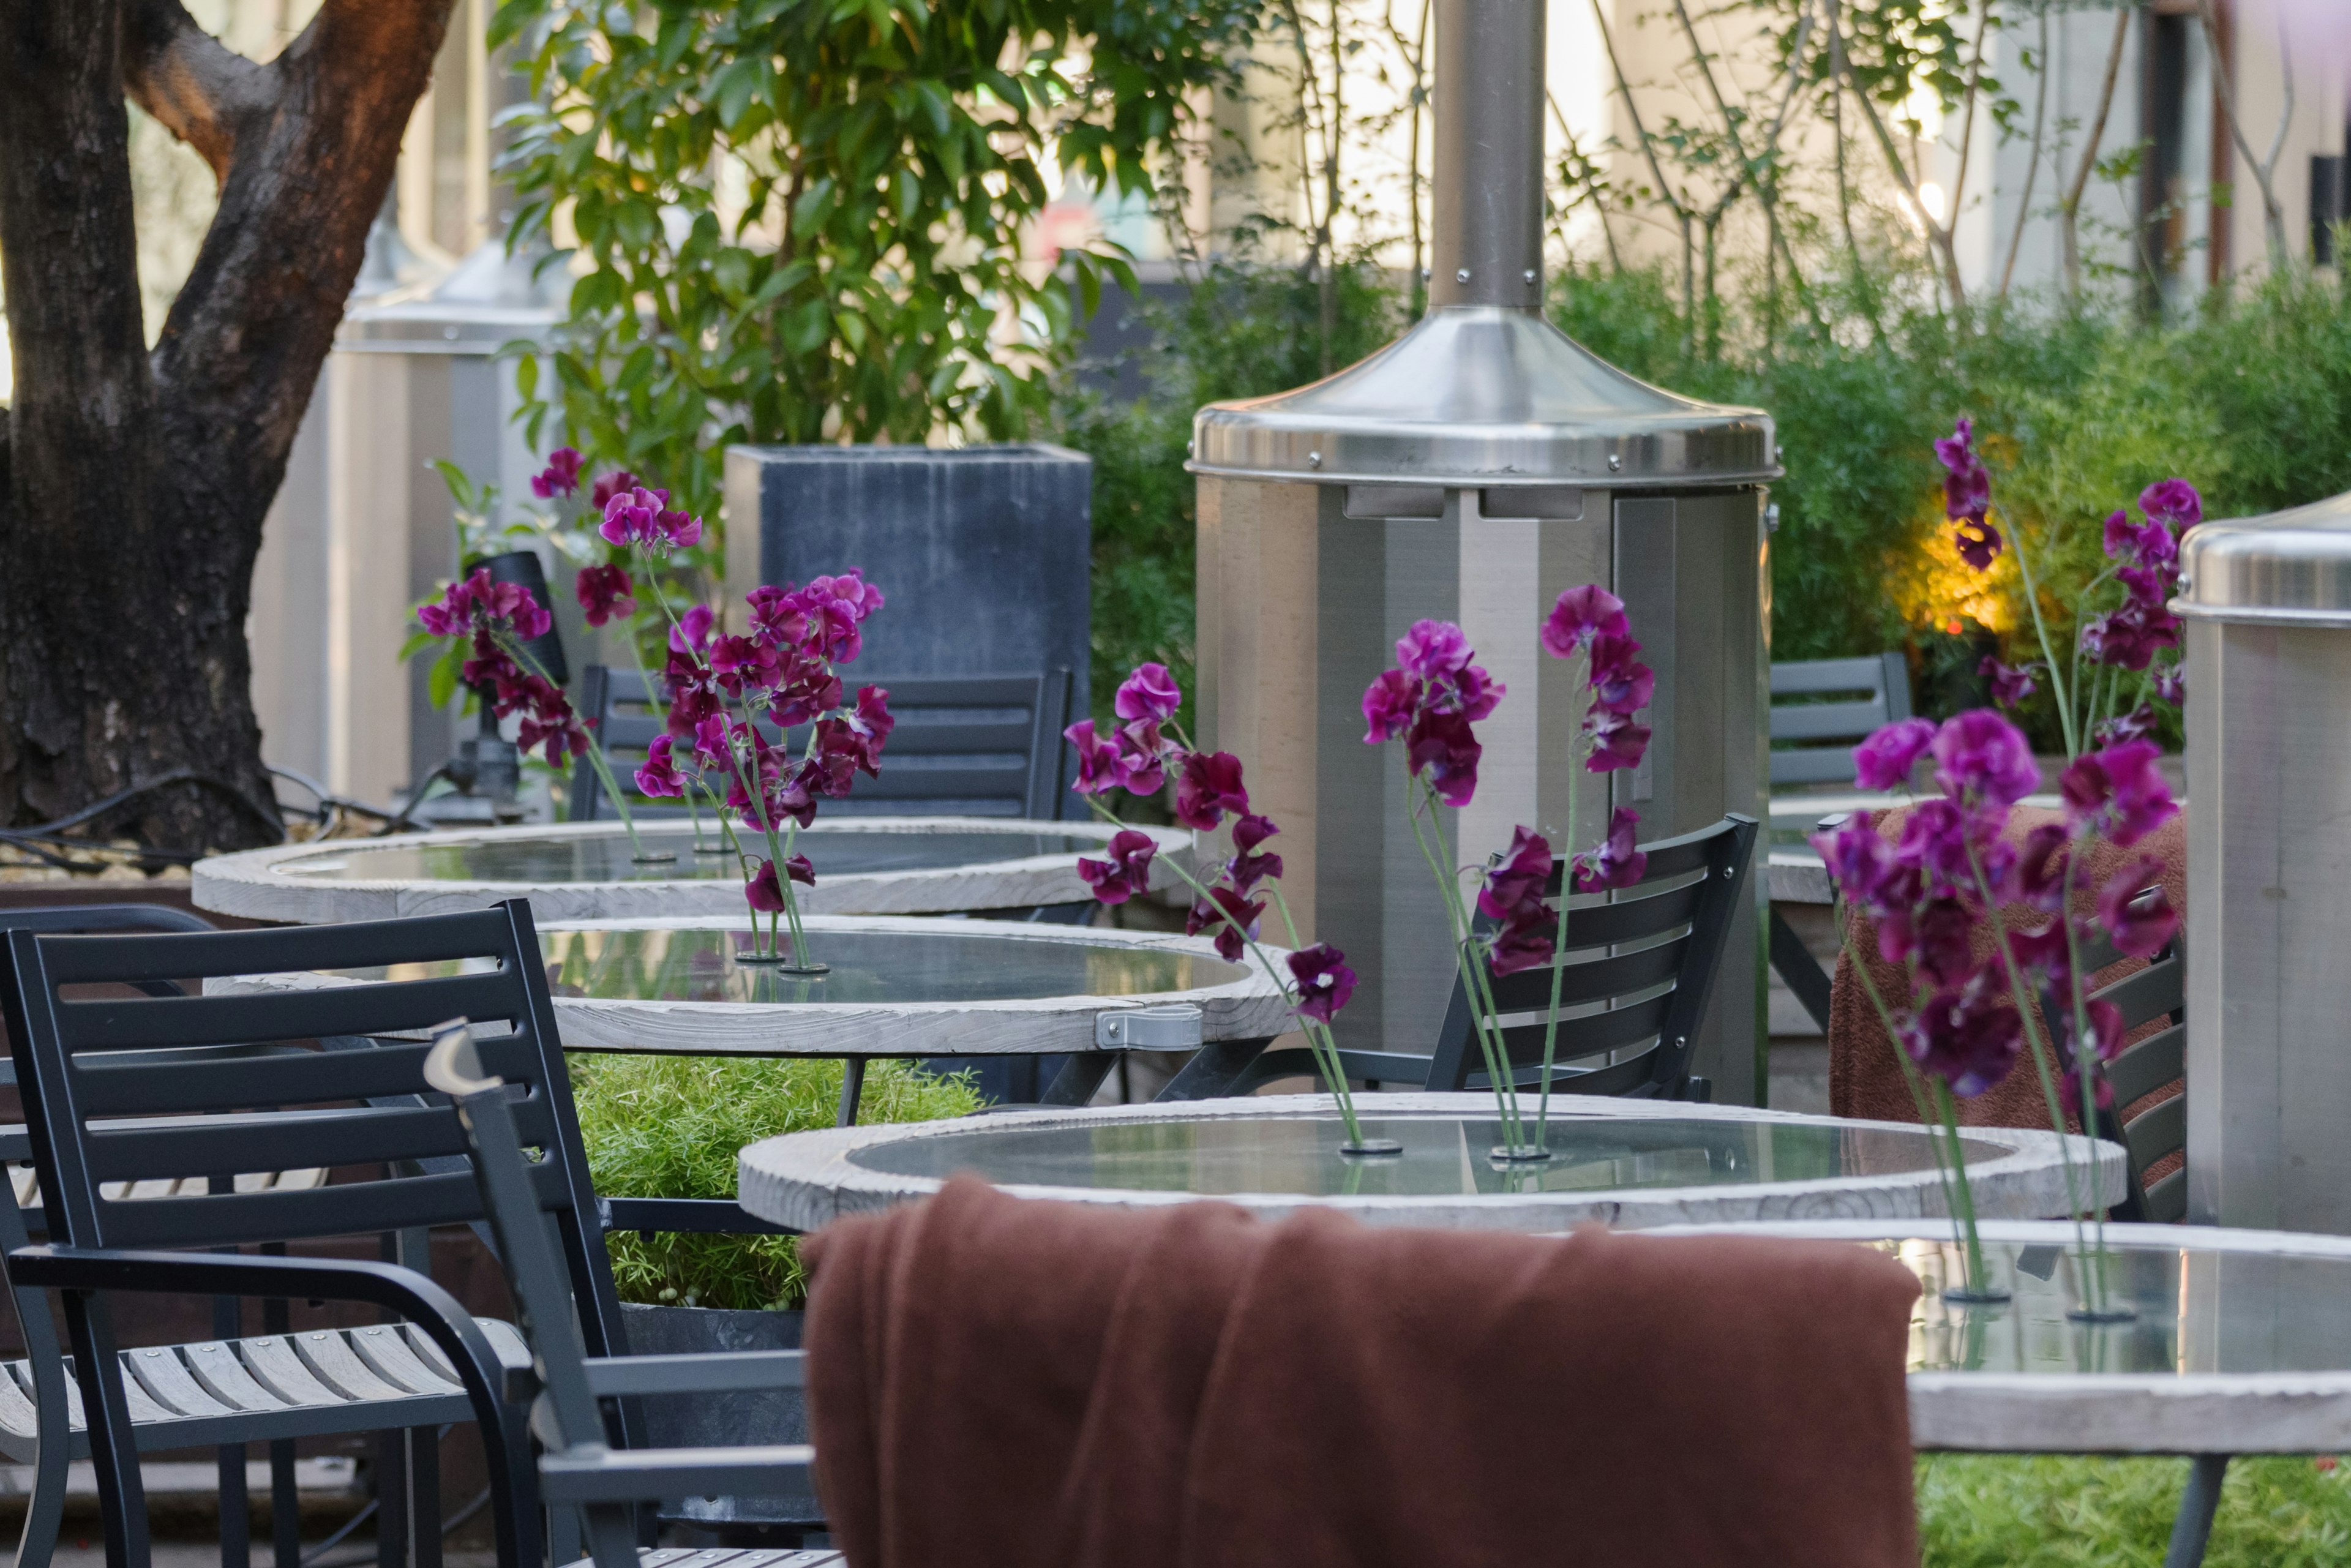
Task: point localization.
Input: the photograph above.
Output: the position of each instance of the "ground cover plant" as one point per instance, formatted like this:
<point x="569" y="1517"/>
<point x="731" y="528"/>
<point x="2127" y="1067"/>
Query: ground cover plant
<point x="670" y="1127"/>
<point x="1995" y="1510"/>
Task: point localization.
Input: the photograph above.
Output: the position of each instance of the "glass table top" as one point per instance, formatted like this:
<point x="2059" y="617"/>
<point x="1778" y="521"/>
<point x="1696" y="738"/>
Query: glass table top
<point x="1443" y="1155"/>
<point x="2197" y="1310"/>
<point x="559" y="858"/>
<point x="697" y="965"/>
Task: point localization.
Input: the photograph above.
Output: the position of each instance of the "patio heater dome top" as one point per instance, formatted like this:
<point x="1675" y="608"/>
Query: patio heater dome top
<point x="1484" y="395"/>
<point x="2285" y="568"/>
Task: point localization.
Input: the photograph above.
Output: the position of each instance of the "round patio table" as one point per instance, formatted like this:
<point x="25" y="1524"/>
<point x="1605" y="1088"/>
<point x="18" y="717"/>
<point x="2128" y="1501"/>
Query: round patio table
<point x="896" y="987"/>
<point x="2239" y="1344"/>
<point x="1626" y="1162"/>
<point x="586" y="871"/>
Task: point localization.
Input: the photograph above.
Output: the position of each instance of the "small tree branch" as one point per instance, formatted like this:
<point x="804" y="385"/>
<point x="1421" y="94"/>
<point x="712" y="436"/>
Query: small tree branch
<point x="1937" y="235"/>
<point x="197" y="87"/>
<point x="2069" y="208"/>
<point x="2032" y="163"/>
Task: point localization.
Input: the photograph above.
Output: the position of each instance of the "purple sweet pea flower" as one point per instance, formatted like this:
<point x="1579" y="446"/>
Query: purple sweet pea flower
<point x="1967" y="488"/>
<point x="2136" y="910"/>
<point x="659" y="776"/>
<point x="692" y="632"/>
<point x="2136" y="725"/>
<point x="1325" y="981"/>
<point x="1150" y="693"/>
<point x="2173" y="503"/>
<point x="1210" y="785"/>
<point x="1614" y="861"/>
<point x="1443" y="745"/>
<point x="1390" y="703"/>
<point x="1142" y="757"/>
<point x="1127" y="872"/>
<point x="2117" y="793"/>
<point x="1248" y="867"/>
<point x="1098" y="760"/>
<point x="1582" y="614"/>
<point x="1885" y="761"/>
<point x="1619" y="683"/>
<point x="1939" y="933"/>
<point x="643" y="519"/>
<point x="2105" y="1041"/>
<point x="1859" y="861"/>
<point x="603" y="592"/>
<point x="1230" y="917"/>
<point x="1519" y="884"/>
<point x="2041" y="867"/>
<point x="1469" y="691"/>
<point x="1980" y="756"/>
<point x="765" y="894"/>
<point x="1616" y="741"/>
<point x="1978" y="542"/>
<point x="2008" y="687"/>
<point x="2147" y="544"/>
<point x="1432" y="649"/>
<point x="2171" y="684"/>
<point x="619" y="482"/>
<point x="559" y="477"/>
<point x="1521" y="942"/>
<point x="1968" y="1036"/>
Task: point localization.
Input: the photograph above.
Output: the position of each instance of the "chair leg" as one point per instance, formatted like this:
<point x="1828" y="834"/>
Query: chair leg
<point x="1212" y="1071"/>
<point x="852" y="1086"/>
<point x="1081" y="1076"/>
<point x="285" y="1507"/>
<point x="121" y="1500"/>
<point x="391" y="1499"/>
<point x="425" y="1496"/>
<point x="236" y="1510"/>
<point x="46" y="1509"/>
<point x="612" y="1536"/>
<point x="2191" y="1529"/>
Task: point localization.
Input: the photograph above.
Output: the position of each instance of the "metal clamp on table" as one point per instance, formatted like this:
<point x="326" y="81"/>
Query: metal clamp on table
<point x="1173" y="1025"/>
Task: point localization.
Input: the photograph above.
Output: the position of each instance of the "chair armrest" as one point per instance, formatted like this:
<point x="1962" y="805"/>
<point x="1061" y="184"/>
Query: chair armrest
<point x="685" y="1216"/>
<point x="387" y="1285"/>
<point x="712" y="1373"/>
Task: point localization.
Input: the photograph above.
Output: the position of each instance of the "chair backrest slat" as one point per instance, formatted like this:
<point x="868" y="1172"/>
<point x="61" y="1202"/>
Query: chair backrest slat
<point x="1676" y="921"/>
<point x="130" y="1088"/>
<point x="1004" y="731"/>
<point x="2144" y="1068"/>
<point x="359" y="945"/>
<point x="1879" y="690"/>
<point x="131" y="1022"/>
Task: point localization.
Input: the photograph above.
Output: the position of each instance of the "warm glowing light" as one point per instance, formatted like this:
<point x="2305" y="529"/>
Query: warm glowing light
<point x="1932" y="197"/>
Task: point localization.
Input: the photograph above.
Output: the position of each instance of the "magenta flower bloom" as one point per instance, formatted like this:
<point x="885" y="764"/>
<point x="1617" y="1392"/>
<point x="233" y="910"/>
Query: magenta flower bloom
<point x="1208" y="787"/>
<point x="1325" y="981"/>
<point x="1616" y="741"/>
<point x="1967" y="1036"/>
<point x="1469" y="691"/>
<point x="2136" y="725"/>
<point x="1443" y="745"/>
<point x="742" y="664"/>
<point x="1978" y="542"/>
<point x="659" y="776"/>
<point x="2008" y="687"/>
<point x="1619" y="683"/>
<point x="2171" y="685"/>
<point x="1951" y="844"/>
<point x="1614" y="861"/>
<point x="1939" y="933"/>
<point x="2041" y="869"/>
<point x="692" y="632"/>
<point x="1967" y="488"/>
<point x="559" y="477"/>
<point x="2105" y="1041"/>
<point x="2137" y="925"/>
<point x="2117" y="793"/>
<point x="762" y="891"/>
<point x="1859" y="861"/>
<point x="1885" y="761"/>
<point x="643" y="519"/>
<point x="2149" y="544"/>
<point x="1230" y="917"/>
<point x="1150" y="693"/>
<point x="1389" y="705"/>
<point x="1582" y="614"/>
<point x="619" y="482"/>
<point x="1521" y="942"/>
<point x="478" y="600"/>
<point x="1098" y="762"/>
<point x="1432" y="648"/>
<point x="1980" y="756"/>
<point x="1520" y="883"/>
<point x="2173" y="503"/>
<point x="1248" y="868"/>
<point x="1127" y="872"/>
<point x="603" y="592"/>
<point x="2148" y="586"/>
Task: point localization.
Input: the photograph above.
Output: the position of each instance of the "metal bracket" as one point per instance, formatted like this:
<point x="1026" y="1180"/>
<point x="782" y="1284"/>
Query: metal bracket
<point x="1174" y="1026"/>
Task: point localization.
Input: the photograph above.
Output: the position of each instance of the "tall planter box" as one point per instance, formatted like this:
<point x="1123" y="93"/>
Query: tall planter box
<point x="984" y="552"/>
<point x="723" y="1420"/>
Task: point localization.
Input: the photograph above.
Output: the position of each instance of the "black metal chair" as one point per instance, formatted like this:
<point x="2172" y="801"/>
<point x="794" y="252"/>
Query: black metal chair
<point x="1633" y="984"/>
<point x="2159" y="1131"/>
<point x="1875" y="690"/>
<point x="965" y="745"/>
<point x="568" y="1387"/>
<point x="173" y="1114"/>
<point x="45" y="1430"/>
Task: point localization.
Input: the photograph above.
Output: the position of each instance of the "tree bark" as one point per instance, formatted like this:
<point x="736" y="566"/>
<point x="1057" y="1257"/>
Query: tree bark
<point x="136" y="481"/>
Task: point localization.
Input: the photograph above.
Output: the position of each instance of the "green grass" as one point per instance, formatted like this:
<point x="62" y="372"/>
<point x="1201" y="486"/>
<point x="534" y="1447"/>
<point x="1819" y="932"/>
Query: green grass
<point x="670" y="1127"/>
<point x="1979" y="1511"/>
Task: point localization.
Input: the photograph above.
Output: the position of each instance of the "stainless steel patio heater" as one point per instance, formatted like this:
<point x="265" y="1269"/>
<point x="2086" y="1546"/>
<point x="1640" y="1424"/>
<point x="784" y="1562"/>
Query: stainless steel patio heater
<point x="2267" y="605"/>
<point x="1471" y="471"/>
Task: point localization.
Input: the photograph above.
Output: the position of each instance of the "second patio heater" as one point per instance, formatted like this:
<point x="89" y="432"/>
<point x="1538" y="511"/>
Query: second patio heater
<point x="1471" y="471"/>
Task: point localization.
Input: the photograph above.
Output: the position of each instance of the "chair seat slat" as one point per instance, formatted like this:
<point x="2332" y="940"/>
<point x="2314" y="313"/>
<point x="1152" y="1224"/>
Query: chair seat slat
<point x="216" y="1367"/>
<point x="272" y="1361"/>
<point x="160" y="1372"/>
<point x="385" y="1351"/>
<point x="327" y="1356"/>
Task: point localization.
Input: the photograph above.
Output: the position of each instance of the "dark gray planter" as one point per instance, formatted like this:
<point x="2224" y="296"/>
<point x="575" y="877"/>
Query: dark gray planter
<point x="723" y="1420"/>
<point x="985" y="552"/>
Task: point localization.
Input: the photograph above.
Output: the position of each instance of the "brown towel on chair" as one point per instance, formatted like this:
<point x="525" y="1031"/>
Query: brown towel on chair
<point x="1006" y="1383"/>
<point x="1863" y="1078"/>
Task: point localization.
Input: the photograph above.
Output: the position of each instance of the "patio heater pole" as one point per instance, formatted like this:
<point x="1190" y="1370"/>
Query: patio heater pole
<point x="1471" y="471"/>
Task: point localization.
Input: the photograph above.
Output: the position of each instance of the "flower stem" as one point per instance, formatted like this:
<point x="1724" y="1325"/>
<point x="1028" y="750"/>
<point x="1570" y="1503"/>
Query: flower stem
<point x="1498" y="1064"/>
<point x="596" y="760"/>
<point x="1558" y="960"/>
<point x="2048" y="650"/>
<point x="1917" y="1083"/>
<point x="1976" y="1283"/>
<point x="2085" y="1063"/>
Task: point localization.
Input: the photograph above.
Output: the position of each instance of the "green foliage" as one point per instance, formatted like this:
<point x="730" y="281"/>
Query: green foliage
<point x="1998" y="1511"/>
<point x="1239" y="331"/>
<point x="2076" y="411"/>
<point x="670" y="1127"/>
<point x="804" y="216"/>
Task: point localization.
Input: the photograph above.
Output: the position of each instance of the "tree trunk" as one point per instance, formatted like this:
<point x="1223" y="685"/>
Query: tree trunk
<point x="136" y="481"/>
